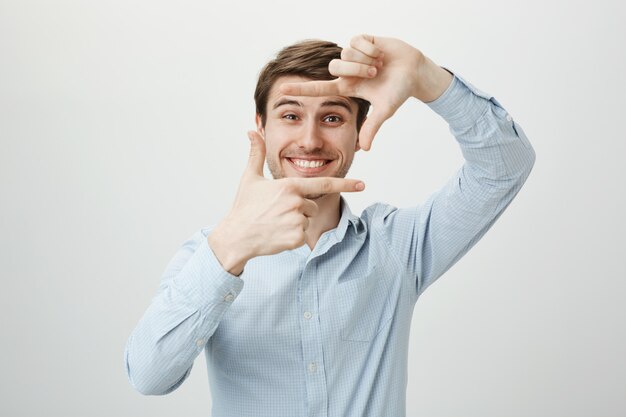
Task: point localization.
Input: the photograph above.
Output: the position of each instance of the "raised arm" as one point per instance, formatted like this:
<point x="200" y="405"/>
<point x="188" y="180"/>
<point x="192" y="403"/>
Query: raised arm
<point x="383" y="71"/>
<point x="430" y="238"/>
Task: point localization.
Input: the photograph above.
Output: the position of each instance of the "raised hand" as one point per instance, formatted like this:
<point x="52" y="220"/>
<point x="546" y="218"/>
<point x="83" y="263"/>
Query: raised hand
<point x="269" y="216"/>
<point x="383" y="71"/>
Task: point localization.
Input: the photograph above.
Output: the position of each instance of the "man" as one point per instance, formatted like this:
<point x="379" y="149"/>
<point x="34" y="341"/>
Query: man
<point x="321" y="326"/>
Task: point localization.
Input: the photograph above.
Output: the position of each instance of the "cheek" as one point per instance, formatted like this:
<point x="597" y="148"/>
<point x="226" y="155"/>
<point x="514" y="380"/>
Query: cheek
<point x="344" y="138"/>
<point x="274" y="144"/>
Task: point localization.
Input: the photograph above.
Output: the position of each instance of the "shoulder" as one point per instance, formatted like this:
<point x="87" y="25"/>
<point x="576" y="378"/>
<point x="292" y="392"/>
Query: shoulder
<point x="379" y="213"/>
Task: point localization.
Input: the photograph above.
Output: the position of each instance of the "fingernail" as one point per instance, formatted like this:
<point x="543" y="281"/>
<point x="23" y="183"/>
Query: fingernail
<point x="359" y="186"/>
<point x="372" y="71"/>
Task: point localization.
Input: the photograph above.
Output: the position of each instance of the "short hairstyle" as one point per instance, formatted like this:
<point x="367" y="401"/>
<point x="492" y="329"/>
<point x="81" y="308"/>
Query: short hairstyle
<point x="308" y="59"/>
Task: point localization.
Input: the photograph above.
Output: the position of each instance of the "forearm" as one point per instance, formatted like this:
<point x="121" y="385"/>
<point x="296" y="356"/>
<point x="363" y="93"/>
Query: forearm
<point x="496" y="150"/>
<point x="193" y="297"/>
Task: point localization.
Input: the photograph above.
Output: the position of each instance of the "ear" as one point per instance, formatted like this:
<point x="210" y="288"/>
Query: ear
<point x="259" y="125"/>
<point x="357" y="147"/>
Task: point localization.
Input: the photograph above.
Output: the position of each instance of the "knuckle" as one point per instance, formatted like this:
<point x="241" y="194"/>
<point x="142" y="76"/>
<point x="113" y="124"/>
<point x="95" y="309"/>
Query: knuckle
<point x="288" y="187"/>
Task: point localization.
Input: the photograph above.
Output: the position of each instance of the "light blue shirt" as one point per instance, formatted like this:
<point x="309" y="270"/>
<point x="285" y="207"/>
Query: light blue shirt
<point x="325" y="332"/>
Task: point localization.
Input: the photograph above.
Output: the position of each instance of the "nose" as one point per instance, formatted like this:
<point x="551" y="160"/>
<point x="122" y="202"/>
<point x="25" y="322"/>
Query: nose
<point x="310" y="137"/>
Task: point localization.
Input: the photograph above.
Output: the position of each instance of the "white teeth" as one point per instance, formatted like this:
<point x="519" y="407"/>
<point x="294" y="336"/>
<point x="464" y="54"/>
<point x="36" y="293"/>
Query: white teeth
<point x="308" y="164"/>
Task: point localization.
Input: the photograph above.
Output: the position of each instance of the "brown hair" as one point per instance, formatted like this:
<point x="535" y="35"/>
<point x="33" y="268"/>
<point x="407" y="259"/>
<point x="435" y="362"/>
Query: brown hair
<point x="307" y="59"/>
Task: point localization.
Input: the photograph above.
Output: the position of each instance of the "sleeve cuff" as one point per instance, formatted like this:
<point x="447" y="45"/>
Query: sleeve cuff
<point x="461" y="105"/>
<point x="204" y="281"/>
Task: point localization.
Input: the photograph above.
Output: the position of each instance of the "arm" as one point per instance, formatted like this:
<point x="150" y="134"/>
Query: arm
<point x="200" y="283"/>
<point x="498" y="157"/>
<point x="429" y="239"/>
<point x="194" y="294"/>
<point x="383" y="71"/>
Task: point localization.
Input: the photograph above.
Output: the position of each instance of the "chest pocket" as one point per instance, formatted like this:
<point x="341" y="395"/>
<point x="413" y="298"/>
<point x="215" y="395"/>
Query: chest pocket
<point x="365" y="305"/>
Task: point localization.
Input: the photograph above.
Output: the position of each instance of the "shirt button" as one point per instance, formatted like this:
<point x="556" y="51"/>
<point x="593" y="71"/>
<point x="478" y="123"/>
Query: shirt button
<point x="508" y="117"/>
<point x="229" y="297"/>
<point x="200" y="342"/>
<point x="307" y="315"/>
<point x="312" y="367"/>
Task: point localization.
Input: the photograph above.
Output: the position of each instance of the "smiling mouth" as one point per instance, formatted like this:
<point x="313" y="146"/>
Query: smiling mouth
<point x="309" y="166"/>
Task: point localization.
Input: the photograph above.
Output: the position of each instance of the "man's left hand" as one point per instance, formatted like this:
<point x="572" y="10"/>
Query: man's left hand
<point x="383" y="71"/>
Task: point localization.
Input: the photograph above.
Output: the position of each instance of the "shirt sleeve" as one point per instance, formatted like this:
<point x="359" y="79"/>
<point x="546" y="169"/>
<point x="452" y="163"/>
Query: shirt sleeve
<point x="194" y="293"/>
<point x="430" y="238"/>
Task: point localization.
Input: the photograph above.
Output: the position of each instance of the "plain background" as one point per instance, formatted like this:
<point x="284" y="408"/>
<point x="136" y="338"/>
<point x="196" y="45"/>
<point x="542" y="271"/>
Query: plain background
<point x="123" y="131"/>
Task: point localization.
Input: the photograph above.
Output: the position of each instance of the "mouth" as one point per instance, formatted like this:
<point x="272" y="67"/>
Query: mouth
<point x="309" y="166"/>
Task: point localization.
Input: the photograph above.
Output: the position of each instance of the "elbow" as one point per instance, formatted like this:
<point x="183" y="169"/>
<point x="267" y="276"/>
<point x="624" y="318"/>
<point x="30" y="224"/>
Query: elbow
<point x="149" y="389"/>
<point x="526" y="153"/>
<point x="148" y="384"/>
<point x="528" y="163"/>
<point x="519" y="163"/>
<point x="145" y="388"/>
<point x="145" y="380"/>
<point x="140" y="381"/>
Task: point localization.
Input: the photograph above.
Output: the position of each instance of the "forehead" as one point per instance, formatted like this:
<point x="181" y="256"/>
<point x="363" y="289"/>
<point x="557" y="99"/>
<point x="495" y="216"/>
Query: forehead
<point x="275" y="94"/>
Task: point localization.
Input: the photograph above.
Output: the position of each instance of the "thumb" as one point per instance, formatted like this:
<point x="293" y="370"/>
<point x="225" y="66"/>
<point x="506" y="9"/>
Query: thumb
<point x="257" y="154"/>
<point x="369" y="129"/>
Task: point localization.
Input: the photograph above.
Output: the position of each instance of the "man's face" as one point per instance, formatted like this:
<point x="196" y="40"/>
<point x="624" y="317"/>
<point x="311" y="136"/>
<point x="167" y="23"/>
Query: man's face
<point x="308" y="136"/>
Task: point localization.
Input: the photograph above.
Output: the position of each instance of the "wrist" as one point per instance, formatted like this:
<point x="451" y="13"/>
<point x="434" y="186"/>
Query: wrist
<point x="228" y="248"/>
<point x="431" y="81"/>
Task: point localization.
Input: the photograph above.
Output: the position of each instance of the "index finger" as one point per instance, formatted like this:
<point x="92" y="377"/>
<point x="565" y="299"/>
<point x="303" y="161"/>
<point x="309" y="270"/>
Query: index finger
<point x="327" y="185"/>
<point x="312" y="88"/>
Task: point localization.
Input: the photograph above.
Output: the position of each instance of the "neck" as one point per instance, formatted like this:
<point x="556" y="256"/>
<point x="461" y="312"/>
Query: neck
<point x="326" y="219"/>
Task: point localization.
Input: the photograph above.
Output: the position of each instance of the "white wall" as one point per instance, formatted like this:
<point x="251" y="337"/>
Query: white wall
<point x="122" y="131"/>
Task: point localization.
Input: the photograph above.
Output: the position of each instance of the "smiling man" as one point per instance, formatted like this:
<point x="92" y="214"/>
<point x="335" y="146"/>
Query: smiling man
<point x="321" y="326"/>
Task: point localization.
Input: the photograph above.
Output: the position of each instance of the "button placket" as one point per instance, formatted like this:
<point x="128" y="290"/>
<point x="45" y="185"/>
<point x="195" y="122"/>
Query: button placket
<point x="310" y="331"/>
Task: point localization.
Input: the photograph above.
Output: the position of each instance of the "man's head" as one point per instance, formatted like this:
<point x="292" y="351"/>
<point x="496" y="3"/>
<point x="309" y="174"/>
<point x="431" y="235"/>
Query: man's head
<point x="306" y="59"/>
<point x="321" y="129"/>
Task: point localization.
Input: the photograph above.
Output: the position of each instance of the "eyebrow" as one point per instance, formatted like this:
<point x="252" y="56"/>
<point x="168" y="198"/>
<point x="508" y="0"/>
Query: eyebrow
<point x="327" y="103"/>
<point x="340" y="103"/>
<point x="285" y="102"/>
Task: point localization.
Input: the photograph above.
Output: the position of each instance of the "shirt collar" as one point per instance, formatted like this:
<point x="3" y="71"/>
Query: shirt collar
<point x="347" y="218"/>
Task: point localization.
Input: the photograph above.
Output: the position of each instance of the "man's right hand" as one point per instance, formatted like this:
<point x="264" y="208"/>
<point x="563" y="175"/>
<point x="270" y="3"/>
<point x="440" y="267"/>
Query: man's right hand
<point x="269" y="216"/>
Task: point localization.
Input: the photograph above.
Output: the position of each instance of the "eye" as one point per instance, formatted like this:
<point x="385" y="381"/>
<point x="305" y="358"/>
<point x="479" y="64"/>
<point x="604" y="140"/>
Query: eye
<point x="290" y="116"/>
<point x="333" y="119"/>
